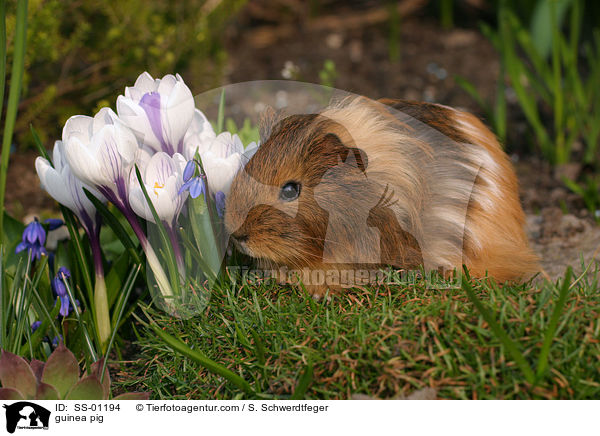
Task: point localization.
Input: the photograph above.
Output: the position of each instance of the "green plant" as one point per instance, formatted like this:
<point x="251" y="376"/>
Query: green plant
<point x="14" y="94"/>
<point x="328" y="74"/>
<point x="589" y="190"/>
<point x="384" y="341"/>
<point x="81" y="53"/>
<point x="57" y="379"/>
<point x="558" y="90"/>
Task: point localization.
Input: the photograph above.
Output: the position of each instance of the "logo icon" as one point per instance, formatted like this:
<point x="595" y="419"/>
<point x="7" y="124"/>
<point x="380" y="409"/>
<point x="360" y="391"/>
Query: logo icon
<point x="26" y="415"/>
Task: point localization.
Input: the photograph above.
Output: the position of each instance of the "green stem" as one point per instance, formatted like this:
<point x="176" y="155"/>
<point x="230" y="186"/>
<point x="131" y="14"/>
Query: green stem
<point x="13" y="96"/>
<point x="101" y="312"/>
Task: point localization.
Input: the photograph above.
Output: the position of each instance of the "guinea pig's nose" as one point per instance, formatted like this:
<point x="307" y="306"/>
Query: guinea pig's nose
<point x="240" y="236"/>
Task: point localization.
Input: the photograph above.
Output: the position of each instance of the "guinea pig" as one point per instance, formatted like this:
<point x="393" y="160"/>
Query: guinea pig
<point x="368" y="184"/>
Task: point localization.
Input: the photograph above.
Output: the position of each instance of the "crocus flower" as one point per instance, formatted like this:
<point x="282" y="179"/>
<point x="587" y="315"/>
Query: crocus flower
<point x="66" y="188"/>
<point x="222" y="160"/>
<point x="163" y="177"/>
<point x="159" y="111"/>
<point x="59" y="181"/>
<point x="33" y="240"/>
<point x="101" y="152"/>
<point x="198" y="137"/>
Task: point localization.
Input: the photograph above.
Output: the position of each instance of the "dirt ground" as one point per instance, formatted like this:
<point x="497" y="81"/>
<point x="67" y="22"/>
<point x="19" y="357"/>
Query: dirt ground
<point x="262" y="46"/>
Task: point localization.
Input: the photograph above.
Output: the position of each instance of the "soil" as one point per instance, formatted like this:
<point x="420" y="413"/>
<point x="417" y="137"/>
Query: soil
<point x="264" y="45"/>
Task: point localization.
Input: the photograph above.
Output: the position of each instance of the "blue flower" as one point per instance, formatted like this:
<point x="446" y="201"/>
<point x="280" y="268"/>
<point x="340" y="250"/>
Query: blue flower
<point x="60" y="290"/>
<point x="53" y="223"/>
<point x="220" y="203"/>
<point x="189" y="170"/>
<point x="34" y="238"/>
<point x="56" y="340"/>
<point x="63" y="271"/>
<point x="58" y="286"/>
<point x="196" y="186"/>
<point x="35" y="326"/>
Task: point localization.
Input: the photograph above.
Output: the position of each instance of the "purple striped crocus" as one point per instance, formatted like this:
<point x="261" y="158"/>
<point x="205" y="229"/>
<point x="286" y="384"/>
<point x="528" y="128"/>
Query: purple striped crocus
<point x="102" y="152"/>
<point x="160" y="112"/>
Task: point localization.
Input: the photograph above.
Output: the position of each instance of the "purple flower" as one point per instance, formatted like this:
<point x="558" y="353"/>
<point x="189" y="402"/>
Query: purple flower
<point x="220" y="203"/>
<point x="53" y="223"/>
<point x="189" y="170"/>
<point x="160" y="111"/>
<point x="34" y="238"/>
<point x="63" y="271"/>
<point x="36" y="325"/>
<point x="58" y="286"/>
<point x="60" y="290"/>
<point x="56" y="340"/>
<point x="196" y="186"/>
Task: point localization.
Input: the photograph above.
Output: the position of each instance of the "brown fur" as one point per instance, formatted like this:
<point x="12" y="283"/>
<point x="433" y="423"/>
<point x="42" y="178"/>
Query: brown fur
<point x="437" y="187"/>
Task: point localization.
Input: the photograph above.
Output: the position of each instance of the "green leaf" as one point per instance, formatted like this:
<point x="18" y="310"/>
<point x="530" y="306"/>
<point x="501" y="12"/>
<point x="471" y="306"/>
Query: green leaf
<point x="542" y="23"/>
<point x="14" y="94"/>
<point x="88" y="388"/>
<point x="61" y="370"/>
<point x="508" y="343"/>
<point x="39" y="145"/>
<point x="13" y="229"/>
<point x="303" y="383"/>
<point x="200" y="358"/>
<point x="114" y="278"/>
<point x="15" y="373"/>
<point x="551" y="330"/>
<point x="10" y="394"/>
<point x="105" y="381"/>
<point x="46" y="392"/>
<point x="221" y="114"/>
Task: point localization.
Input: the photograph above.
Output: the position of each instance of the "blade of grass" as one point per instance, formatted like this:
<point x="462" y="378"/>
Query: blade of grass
<point x="508" y="343"/>
<point x="80" y="256"/>
<point x="82" y="325"/>
<point x="542" y="364"/>
<point x="221" y="114"/>
<point x="2" y="51"/>
<point x="198" y="357"/>
<point x="38" y="143"/>
<point x="14" y="95"/>
<point x="303" y="383"/>
<point x="121" y="308"/>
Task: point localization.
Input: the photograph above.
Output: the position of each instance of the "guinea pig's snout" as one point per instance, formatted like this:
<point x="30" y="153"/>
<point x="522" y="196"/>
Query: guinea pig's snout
<point x="239" y="236"/>
<point x="239" y="239"/>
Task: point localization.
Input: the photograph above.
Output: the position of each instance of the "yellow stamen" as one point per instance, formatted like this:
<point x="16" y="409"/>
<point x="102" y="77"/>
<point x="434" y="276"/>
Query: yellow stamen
<point x="157" y="186"/>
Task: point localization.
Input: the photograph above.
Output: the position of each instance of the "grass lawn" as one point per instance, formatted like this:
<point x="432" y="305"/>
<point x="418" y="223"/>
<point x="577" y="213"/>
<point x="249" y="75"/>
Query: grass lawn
<point x="384" y="342"/>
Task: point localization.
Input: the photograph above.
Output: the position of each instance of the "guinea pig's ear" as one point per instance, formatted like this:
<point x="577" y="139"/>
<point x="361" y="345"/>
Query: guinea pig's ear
<point x="269" y="117"/>
<point x="353" y="156"/>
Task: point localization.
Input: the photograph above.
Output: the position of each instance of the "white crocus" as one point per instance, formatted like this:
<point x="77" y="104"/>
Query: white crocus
<point x="221" y="161"/>
<point x="101" y="152"/>
<point x="199" y="136"/>
<point x="62" y="185"/>
<point x="162" y="176"/>
<point x="159" y="111"/>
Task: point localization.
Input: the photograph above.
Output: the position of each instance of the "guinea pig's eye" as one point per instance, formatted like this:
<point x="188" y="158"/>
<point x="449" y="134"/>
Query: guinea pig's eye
<point x="290" y="191"/>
